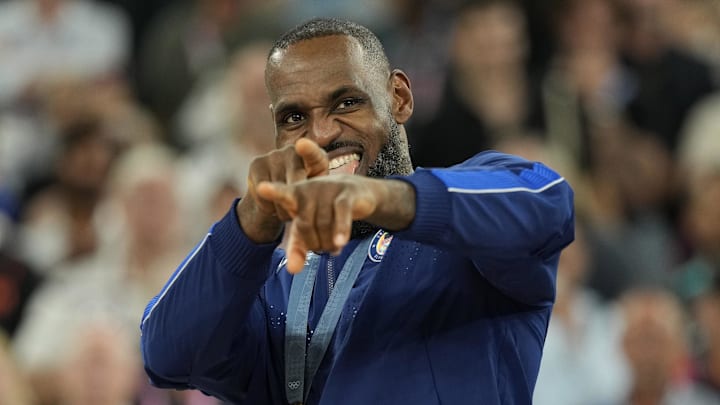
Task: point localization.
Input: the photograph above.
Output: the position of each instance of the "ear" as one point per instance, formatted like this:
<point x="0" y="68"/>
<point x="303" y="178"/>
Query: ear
<point x="402" y="98"/>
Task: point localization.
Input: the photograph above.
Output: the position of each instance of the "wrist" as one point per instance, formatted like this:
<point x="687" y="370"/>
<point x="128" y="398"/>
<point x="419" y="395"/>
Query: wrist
<point x="396" y="207"/>
<point x="259" y="227"/>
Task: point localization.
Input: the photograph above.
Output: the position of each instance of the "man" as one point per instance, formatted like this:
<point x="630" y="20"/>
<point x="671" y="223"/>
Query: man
<point x="394" y="287"/>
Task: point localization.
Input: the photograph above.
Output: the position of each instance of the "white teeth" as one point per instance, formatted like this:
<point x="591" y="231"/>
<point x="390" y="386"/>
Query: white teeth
<point x="343" y="160"/>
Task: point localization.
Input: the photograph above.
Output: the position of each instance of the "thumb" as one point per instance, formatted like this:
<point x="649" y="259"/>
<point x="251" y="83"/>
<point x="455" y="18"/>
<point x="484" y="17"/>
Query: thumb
<point x="314" y="157"/>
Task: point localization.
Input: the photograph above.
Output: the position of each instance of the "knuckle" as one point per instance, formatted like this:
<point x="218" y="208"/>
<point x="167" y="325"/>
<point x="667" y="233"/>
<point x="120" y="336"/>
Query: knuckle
<point x="324" y="221"/>
<point x="304" y="227"/>
<point x="343" y="201"/>
<point x="257" y="165"/>
<point x="305" y="233"/>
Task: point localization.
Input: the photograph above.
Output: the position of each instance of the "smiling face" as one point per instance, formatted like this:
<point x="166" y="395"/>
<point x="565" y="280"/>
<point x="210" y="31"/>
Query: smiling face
<point x="323" y="89"/>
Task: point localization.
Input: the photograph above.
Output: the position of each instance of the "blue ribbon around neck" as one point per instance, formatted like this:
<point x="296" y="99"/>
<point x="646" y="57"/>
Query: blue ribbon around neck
<point x="302" y="361"/>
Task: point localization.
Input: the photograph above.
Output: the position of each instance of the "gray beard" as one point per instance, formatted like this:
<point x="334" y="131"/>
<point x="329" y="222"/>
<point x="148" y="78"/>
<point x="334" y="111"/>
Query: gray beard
<point x="393" y="160"/>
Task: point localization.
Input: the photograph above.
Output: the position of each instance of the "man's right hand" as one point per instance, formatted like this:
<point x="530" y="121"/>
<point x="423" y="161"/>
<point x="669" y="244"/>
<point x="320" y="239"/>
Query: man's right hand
<point x="262" y="220"/>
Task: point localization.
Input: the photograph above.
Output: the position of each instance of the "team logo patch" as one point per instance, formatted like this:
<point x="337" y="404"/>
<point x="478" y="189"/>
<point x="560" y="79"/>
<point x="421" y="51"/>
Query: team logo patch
<point x="379" y="245"/>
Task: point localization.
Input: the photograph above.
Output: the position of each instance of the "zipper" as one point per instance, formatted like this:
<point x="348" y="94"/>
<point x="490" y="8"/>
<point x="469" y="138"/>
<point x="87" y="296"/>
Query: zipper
<point x="330" y="274"/>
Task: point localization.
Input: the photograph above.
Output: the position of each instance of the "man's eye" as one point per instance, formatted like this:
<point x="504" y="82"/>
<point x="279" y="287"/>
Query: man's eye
<point x="292" y="118"/>
<point x="348" y="103"/>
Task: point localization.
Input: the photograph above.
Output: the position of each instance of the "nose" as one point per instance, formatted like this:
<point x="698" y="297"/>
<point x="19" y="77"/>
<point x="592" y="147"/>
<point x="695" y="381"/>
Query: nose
<point x="324" y="130"/>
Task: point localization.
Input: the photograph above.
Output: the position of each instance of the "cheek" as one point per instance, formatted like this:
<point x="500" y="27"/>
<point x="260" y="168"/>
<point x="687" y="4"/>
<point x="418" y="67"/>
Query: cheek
<point x="375" y="136"/>
<point x="283" y="139"/>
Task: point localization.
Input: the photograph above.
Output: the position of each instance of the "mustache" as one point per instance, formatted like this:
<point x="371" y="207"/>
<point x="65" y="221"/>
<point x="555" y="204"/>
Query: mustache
<point x="342" y="144"/>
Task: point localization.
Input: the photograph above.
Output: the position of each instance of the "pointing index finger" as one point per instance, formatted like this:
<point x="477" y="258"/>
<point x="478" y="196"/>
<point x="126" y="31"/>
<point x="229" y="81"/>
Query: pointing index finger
<point x="313" y="156"/>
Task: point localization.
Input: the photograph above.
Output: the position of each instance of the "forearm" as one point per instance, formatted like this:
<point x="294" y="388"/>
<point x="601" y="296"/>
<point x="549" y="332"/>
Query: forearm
<point x="396" y="209"/>
<point x="258" y="226"/>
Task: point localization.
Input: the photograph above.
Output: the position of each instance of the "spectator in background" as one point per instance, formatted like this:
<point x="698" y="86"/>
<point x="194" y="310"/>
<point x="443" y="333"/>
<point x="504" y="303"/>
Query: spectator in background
<point x="125" y="120"/>
<point x="142" y="234"/>
<point x="487" y="95"/>
<point x="669" y="80"/>
<point x="100" y="368"/>
<point x="585" y="86"/>
<point x="227" y="106"/>
<point x="224" y="123"/>
<point x="634" y="243"/>
<point x="60" y="310"/>
<point x="190" y="39"/>
<point x="145" y="228"/>
<point x="418" y="41"/>
<point x="625" y="194"/>
<point x="582" y="361"/>
<point x="32" y="137"/>
<point x="58" y="222"/>
<point x="656" y="348"/>
<point x="45" y="39"/>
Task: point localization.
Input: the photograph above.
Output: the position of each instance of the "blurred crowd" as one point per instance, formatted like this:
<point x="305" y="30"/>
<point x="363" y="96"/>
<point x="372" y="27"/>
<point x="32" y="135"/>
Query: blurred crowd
<point x="126" y="129"/>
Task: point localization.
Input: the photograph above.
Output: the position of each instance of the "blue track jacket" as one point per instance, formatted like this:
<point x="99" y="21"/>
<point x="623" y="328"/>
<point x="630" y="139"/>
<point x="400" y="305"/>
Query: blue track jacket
<point x="453" y="311"/>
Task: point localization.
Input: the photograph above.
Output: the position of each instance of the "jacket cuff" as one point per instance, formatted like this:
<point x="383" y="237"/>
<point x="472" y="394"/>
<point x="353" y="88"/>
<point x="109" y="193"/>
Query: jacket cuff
<point x="235" y="252"/>
<point x="432" y="207"/>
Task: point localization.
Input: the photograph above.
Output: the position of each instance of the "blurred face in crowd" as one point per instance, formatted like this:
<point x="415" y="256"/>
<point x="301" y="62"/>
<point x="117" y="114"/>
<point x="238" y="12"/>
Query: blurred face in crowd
<point x="151" y="208"/>
<point x="323" y="90"/>
<point x="703" y="217"/>
<point x="588" y="25"/>
<point x="646" y="167"/>
<point x="643" y="33"/>
<point x="653" y="341"/>
<point x="85" y="164"/>
<point x="143" y="182"/>
<point x="247" y="90"/>
<point x="489" y="36"/>
<point x="49" y="9"/>
<point x="102" y="369"/>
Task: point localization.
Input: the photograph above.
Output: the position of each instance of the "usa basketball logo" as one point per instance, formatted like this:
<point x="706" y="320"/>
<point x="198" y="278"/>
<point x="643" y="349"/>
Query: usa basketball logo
<point x="379" y="245"/>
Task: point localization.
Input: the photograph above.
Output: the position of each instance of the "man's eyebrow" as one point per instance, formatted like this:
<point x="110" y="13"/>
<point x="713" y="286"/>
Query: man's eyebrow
<point x="340" y="92"/>
<point x="282" y="108"/>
